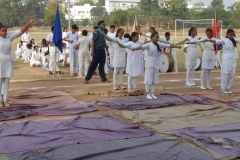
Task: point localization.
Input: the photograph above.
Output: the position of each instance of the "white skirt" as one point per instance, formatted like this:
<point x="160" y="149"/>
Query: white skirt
<point x="191" y="56"/>
<point x="6" y="65"/>
<point x="207" y="63"/>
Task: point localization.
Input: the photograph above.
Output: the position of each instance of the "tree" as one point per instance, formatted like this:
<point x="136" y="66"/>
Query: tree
<point x="177" y="8"/>
<point x="119" y="17"/>
<point x="232" y="7"/>
<point x="235" y="16"/>
<point x="50" y="13"/>
<point x="85" y="22"/>
<point x="149" y="7"/>
<point x="101" y="3"/>
<point x="217" y="3"/>
<point x="82" y="2"/>
<point x="98" y="11"/>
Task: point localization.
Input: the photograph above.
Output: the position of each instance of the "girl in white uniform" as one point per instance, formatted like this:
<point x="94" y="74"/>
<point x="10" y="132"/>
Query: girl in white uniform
<point x="229" y="57"/>
<point x="134" y="61"/>
<point x="7" y="59"/>
<point x="28" y="53"/>
<point x="208" y="57"/>
<point x="45" y="55"/>
<point x="152" y="63"/>
<point x="36" y="58"/>
<point x="119" y="60"/>
<point x="19" y="51"/>
<point x="191" y="56"/>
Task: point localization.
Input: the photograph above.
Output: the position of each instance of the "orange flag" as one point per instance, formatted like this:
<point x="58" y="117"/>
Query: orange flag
<point x="216" y="30"/>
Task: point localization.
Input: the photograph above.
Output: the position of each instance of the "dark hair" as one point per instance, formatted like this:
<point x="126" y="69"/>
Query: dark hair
<point x="209" y="30"/>
<point x="64" y="44"/>
<point x="35" y="47"/>
<point x="152" y="28"/>
<point x="158" y="47"/>
<point x="233" y="40"/>
<point x="21" y="41"/>
<point x="126" y="35"/>
<point x="2" y="26"/>
<point x="44" y="41"/>
<point x="118" y="31"/>
<point x="112" y="26"/>
<point x="64" y="28"/>
<point x="52" y="28"/>
<point x="134" y="34"/>
<point x="84" y="32"/>
<point x="167" y="34"/>
<point x="105" y="30"/>
<point x="190" y="31"/>
<point x="100" y="22"/>
<point x="95" y="27"/>
<point x="29" y="46"/>
<point x="74" y="26"/>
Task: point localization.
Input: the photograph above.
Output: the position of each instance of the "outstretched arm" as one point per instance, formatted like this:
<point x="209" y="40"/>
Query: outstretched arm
<point x="185" y="40"/>
<point x="27" y="26"/>
<point x="137" y="48"/>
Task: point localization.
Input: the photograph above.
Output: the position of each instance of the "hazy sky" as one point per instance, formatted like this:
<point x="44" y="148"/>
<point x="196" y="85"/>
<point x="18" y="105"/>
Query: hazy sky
<point x="226" y="2"/>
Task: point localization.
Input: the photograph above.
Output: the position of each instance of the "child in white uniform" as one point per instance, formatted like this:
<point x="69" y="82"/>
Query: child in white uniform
<point x="111" y="34"/>
<point x="134" y="61"/>
<point x="84" y="46"/>
<point x="208" y="57"/>
<point x="191" y="56"/>
<point x="36" y="58"/>
<point x="229" y="57"/>
<point x="19" y="51"/>
<point x="152" y="63"/>
<point x="172" y="51"/>
<point x="28" y="53"/>
<point x="119" y="60"/>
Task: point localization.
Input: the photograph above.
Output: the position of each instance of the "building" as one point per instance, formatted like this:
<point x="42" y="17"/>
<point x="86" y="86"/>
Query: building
<point x="78" y="13"/>
<point x="112" y="5"/>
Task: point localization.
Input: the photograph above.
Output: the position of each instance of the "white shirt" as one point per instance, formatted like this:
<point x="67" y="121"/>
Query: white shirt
<point x="72" y="37"/>
<point x="35" y="55"/>
<point x="111" y="35"/>
<point x="173" y="49"/>
<point x="84" y="44"/>
<point x="26" y="37"/>
<point x="50" y="37"/>
<point x="64" y="36"/>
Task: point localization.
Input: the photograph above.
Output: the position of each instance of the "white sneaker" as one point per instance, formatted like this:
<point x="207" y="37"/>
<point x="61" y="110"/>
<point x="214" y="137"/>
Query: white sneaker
<point x="115" y="87"/>
<point x="193" y="84"/>
<point x="188" y="84"/>
<point x="176" y="72"/>
<point x="153" y="96"/>
<point x="202" y="87"/>
<point x="25" y="62"/>
<point x="129" y="90"/>
<point x="209" y="87"/>
<point x="148" y="96"/>
<point x="225" y="91"/>
<point x="229" y="91"/>
<point x="122" y="87"/>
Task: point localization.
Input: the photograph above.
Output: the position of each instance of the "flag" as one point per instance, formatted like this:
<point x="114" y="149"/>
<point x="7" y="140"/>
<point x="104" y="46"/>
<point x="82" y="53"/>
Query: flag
<point x="135" y="24"/>
<point x="216" y="30"/>
<point x="57" y="33"/>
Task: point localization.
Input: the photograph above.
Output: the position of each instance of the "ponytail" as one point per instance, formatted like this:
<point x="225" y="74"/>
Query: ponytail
<point x="158" y="47"/>
<point x="233" y="40"/>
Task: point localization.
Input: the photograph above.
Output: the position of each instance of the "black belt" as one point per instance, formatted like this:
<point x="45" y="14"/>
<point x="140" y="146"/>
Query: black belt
<point x="98" y="48"/>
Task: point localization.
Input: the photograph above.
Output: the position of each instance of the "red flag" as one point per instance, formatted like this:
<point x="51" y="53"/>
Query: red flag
<point x="216" y="30"/>
<point x="135" y="25"/>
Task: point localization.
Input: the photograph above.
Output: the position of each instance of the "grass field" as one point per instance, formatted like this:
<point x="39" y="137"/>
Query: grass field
<point x="24" y="71"/>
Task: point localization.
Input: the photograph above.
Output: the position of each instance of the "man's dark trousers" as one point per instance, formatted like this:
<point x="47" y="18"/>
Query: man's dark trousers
<point x="98" y="58"/>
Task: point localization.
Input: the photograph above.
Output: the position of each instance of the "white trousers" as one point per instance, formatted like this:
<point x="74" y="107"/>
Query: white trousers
<point x="150" y="88"/>
<point x="83" y="62"/>
<point x="132" y="81"/>
<point x="111" y="52"/>
<point x="174" y="56"/>
<point x="4" y="88"/>
<point x="106" y="65"/>
<point x="190" y="70"/>
<point x="45" y="66"/>
<point x="35" y="63"/>
<point x="118" y="70"/>
<point x="226" y="80"/>
<point x="208" y="76"/>
<point x="151" y="76"/>
<point x="53" y="62"/>
<point x="73" y="55"/>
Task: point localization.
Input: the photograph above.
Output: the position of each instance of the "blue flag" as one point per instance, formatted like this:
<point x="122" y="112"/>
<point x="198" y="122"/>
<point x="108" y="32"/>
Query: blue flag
<point x="57" y="33"/>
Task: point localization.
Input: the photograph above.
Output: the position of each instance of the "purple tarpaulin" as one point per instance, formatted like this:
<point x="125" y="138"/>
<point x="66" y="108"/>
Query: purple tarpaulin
<point x="51" y="133"/>
<point x="146" y="148"/>
<point x="220" y="141"/>
<point x="141" y="103"/>
<point x="11" y="113"/>
<point x="234" y="104"/>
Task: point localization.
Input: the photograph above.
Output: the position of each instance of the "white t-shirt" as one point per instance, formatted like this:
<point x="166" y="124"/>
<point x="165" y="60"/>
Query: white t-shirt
<point x="35" y="55"/>
<point x="72" y="37"/>
<point x="173" y="49"/>
<point x="26" y="37"/>
<point x="84" y="44"/>
<point x="64" y="36"/>
<point x="111" y="35"/>
<point x="50" y="37"/>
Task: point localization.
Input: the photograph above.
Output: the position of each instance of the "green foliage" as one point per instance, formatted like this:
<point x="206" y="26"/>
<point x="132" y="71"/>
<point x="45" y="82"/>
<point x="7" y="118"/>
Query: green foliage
<point x="98" y="11"/>
<point x="50" y="13"/>
<point x="149" y="7"/>
<point x="85" y="22"/>
<point x="82" y="2"/>
<point x="177" y="8"/>
<point x="101" y="3"/>
<point x="217" y="3"/>
<point x="119" y="18"/>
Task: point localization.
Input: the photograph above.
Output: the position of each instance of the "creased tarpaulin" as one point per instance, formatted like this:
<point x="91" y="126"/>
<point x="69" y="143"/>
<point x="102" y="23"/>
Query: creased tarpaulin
<point x="220" y="97"/>
<point x="184" y="116"/>
<point x="146" y="148"/>
<point x="11" y="113"/>
<point x="234" y="104"/>
<point x="51" y="133"/>
<point x="52" y="97"/>
<point x="141" y="103"/>
<point x="220" y="141"/>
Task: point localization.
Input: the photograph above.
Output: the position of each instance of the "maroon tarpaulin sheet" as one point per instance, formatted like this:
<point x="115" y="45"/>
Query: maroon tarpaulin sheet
<point x="10" y="113"/>
<point x="141" y="103"/>
<point x="220" y="141"/>
<point x="31" y="135"/>
<point x="145" y="148"/>
<point x="52" y="97"/>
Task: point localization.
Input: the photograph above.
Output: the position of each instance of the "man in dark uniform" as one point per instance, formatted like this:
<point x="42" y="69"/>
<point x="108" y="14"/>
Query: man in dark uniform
<point x="98" y="53"/>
